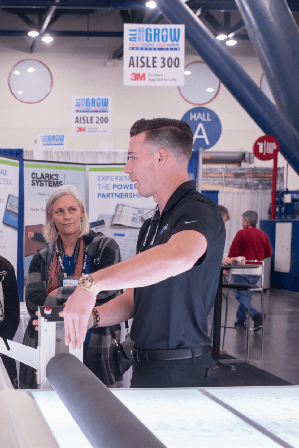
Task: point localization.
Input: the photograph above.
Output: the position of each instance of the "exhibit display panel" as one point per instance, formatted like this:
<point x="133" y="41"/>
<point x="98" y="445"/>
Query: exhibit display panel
<point x="226" y="417"/>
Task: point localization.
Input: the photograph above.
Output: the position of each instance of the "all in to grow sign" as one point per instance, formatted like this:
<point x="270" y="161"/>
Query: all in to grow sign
<point x="154" y="55"/>
<point x="91" y="115"/>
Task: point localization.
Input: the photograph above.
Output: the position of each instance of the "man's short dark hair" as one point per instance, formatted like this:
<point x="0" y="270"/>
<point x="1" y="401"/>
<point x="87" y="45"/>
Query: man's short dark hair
<point x="224" y="211"/>
<point x="173" y="134"/>
<point x="251" y="216"/>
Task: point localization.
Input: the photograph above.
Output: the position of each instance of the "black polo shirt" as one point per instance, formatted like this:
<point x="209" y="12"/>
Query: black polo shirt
<point x="173" y="313"/>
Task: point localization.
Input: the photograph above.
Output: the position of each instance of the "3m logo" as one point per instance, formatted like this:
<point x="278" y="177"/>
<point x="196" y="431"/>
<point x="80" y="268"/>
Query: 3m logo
<point x="80" y="129"/>
<point x="137" y="76"/>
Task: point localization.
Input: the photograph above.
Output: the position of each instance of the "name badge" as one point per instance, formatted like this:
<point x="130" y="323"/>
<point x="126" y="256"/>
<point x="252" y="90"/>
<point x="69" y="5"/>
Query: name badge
<point x="70" y="282"/>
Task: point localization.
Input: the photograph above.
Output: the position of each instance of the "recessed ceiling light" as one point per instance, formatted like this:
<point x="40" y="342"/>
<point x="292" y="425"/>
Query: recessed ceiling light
<point x="221" y="37"/>
<point x="151" y="5"/>
<point x="20" y="92"/>
<point x="231" y="42"/>
<point x="33" y="33"/>
<point x="47" y="39"/>
<point x="187" y="72"/>
<point x="231" y="35"/>
<point x="30" y="69"/>
<point x="209" y="89"/>
<point x="17" y="72"/>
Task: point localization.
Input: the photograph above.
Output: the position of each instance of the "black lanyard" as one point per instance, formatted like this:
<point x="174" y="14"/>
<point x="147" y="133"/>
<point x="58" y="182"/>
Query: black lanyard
<point x="61" y="262"/>
<point x="148" y="231"/>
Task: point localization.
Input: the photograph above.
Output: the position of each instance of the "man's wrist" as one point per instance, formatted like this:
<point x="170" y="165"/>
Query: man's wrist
<point x="90" y="322"/>
<point x="86" y="282"/>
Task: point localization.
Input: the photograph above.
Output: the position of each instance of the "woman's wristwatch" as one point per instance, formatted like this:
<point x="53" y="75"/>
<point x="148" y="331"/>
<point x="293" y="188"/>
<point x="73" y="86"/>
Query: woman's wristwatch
<point x="86" y="282"/>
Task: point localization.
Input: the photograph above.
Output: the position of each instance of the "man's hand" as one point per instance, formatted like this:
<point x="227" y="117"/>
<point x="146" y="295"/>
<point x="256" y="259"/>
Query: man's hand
<point x="76" y="316"/>
<point x="226" y="261"/>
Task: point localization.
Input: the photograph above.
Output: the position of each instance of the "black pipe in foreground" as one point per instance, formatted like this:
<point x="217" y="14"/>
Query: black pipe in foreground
<point x="104" y="420"/>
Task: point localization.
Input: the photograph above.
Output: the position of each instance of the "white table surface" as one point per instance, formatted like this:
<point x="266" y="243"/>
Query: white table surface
<point x="258" y="417"/>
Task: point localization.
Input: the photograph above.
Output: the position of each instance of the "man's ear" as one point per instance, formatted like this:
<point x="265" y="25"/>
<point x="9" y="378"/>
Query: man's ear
<point x="162" y="156"/>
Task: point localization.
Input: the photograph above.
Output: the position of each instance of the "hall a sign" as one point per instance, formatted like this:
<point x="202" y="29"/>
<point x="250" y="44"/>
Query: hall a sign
<point x="154" y="55"/>
<point x="205" y="125"/>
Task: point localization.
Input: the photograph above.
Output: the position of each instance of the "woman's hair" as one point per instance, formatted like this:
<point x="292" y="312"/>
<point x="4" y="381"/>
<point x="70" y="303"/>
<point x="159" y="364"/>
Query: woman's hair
<point x="50" y="231"/>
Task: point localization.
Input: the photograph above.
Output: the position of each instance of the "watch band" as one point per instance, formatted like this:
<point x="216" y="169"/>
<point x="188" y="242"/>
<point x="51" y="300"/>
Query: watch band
<point x="87" y="282"/>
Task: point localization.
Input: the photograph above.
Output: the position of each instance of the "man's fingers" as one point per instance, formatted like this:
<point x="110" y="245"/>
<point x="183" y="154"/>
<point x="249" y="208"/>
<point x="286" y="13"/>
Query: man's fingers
<point x="67" y="338"/>
<point x="75" y="336"/>
<point x="81" y="335"/>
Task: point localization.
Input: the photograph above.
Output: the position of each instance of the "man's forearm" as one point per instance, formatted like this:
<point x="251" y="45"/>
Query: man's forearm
<point x="117" y="310"/>
<point x="149" y="267"/>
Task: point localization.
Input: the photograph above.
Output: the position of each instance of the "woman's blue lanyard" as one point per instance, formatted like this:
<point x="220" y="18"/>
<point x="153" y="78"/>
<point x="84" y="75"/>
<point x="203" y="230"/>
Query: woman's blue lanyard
<point x="61" y="262"/>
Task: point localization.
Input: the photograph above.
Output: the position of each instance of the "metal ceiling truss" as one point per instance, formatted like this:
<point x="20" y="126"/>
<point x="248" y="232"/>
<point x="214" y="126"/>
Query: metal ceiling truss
<point x="44" y="13"/>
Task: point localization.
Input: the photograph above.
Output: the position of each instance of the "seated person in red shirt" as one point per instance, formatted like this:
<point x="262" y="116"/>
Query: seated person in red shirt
<point x="253" y="244"/>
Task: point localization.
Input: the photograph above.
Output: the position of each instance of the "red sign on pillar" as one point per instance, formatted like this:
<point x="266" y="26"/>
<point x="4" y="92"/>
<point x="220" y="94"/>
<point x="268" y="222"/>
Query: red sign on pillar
<point x="267" y="148"/>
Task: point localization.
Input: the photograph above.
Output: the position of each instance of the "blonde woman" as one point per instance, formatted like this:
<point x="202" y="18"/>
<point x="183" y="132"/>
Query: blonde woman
<point x="72" y="250"/>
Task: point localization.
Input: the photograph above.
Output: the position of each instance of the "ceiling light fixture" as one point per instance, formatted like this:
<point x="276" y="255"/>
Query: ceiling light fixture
<point x="221" y="37"/>
<point x="33" y="33"/>
<point x="187" y="72"/>
<point x="209" y="89"/>
<point x="47" y="39"/>
<point x="30" y="69"/>
<point x="17" y="72"/>
<point x="231" y="42"/>
<point x="231" y="35"/>
<point x="151" y="5"/>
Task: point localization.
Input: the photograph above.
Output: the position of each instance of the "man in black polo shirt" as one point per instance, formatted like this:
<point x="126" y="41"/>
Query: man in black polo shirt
<point x="172" y="281"/>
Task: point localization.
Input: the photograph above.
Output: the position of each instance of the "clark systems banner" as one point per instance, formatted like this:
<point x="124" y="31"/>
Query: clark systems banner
<point x="154" y="55"/>
<point x="9" y="209"/>
<point x="115" y="207"/>
<point x="40" y="179"/>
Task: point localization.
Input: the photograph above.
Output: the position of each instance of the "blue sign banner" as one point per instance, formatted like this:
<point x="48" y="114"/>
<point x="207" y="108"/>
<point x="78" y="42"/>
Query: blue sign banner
<point x="205" y="125"/>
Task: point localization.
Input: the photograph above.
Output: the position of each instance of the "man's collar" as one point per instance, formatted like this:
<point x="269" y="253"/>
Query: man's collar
<point x="176" y="196"/>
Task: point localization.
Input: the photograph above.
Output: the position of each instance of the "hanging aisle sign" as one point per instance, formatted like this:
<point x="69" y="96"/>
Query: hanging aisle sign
<point x="91" y="115"/>
<point x="154" y="55"/>
<point x="50" y="142"/>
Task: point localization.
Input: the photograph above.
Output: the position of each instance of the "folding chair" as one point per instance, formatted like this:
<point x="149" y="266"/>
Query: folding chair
<point x="249" y="288"/>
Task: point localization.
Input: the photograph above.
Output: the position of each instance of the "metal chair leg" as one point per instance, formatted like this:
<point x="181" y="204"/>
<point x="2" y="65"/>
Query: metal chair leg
<point x="248" y="326"/>
<point x="225" y="322"/>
